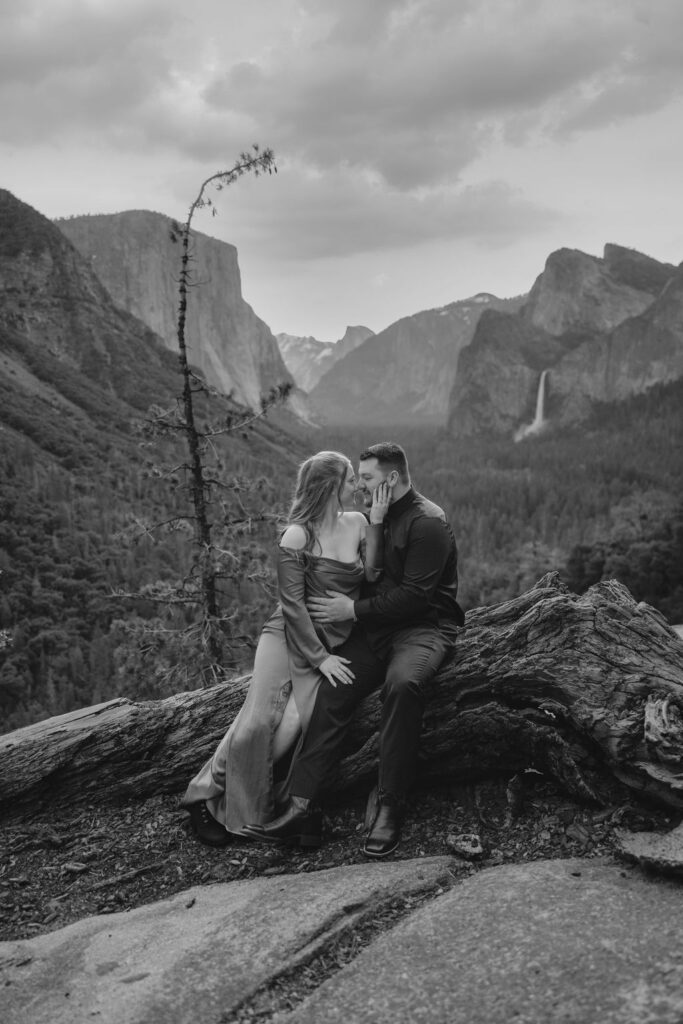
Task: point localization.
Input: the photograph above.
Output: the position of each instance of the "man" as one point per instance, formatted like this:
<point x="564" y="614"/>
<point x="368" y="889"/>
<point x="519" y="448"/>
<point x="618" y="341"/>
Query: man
<point x="409" y="623"/>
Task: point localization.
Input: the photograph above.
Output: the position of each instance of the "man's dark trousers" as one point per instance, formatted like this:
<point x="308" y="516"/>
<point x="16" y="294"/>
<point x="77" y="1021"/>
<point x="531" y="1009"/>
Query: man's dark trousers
<point x="403" y="668"/>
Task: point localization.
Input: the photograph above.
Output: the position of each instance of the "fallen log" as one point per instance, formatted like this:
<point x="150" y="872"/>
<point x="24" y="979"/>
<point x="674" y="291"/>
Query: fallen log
<point x="586" y="690"/>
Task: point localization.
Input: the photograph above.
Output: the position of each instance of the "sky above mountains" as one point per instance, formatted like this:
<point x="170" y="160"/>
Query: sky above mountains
<point x="426" y="149"/>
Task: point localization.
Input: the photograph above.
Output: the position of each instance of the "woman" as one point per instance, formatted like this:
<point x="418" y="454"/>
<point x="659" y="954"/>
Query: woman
<point x="323" y="548"/>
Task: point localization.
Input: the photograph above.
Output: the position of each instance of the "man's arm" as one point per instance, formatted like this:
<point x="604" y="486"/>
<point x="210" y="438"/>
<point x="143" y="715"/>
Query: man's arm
<point x="430" y="546"/>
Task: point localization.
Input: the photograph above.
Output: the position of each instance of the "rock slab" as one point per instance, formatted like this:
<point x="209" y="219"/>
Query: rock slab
<point x="549" y="942"/>
<point x="199" y="955"/>
<point x="570" y="941"/>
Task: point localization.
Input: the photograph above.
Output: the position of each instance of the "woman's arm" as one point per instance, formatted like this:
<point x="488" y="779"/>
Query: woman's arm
<point x="299" y="630"/>
<point x="291" y="569"/>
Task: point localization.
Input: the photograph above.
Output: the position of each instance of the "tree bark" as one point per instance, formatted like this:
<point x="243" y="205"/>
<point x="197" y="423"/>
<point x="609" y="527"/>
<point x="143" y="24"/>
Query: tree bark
<point x="586" y="690"/>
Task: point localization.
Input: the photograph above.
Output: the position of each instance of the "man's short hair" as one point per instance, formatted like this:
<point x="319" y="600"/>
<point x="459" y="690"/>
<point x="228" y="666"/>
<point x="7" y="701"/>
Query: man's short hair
<point x="389" y="456"/>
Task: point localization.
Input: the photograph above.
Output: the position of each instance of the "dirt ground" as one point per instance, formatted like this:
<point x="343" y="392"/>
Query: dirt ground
<point x="100" y="860"/>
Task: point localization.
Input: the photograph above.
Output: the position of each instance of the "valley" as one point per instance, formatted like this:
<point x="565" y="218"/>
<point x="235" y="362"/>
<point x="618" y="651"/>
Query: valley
<point x="98" y="562"/>
<point x="598" y="501"/>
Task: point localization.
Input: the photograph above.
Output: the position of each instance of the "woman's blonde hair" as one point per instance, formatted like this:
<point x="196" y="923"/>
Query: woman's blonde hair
<point x="321" y="477"/>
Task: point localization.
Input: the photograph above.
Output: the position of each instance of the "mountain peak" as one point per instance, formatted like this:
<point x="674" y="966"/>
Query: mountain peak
<point x="353" y="332"/>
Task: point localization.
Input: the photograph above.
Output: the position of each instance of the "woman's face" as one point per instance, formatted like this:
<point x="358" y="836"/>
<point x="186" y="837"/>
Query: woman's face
<point x="349" y="487"/>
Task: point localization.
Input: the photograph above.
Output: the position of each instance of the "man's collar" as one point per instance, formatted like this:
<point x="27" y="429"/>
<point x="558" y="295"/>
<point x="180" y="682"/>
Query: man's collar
<point x="399" y="506"/>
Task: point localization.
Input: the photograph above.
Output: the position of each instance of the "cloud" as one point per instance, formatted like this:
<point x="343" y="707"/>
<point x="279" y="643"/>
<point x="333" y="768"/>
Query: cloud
<point x="644" y="76"/>
<point x="378" y="111"/>
<point x="70" y="65"/>
<point x="414" y="91"/>
<point x="409" y="90"/>
<point x="302" y="215"/>
<point x="39" y="41"/>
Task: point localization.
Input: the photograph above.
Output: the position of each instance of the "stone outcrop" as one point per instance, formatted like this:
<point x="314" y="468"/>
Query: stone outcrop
<point x="135" y="257"/>
<point x="578" y="941"/>
<point x="204" y="953"/>
<point x="606" y="329"/>
<point x="406" y="372"/>
<point x="308" y="359"/>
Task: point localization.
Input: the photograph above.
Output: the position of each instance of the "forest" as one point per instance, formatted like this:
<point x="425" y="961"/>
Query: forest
<point x="97" y="558"/>
<point x="96" y="550"/>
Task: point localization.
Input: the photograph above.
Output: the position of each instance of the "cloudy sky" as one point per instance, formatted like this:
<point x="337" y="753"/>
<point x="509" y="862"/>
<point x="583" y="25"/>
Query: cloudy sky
<point x="426" y="149"/>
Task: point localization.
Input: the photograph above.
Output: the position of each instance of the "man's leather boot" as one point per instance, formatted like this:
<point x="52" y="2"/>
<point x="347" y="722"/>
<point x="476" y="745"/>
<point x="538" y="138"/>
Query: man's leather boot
<point x="300" y="824"/>
<point x="385" y="833"/>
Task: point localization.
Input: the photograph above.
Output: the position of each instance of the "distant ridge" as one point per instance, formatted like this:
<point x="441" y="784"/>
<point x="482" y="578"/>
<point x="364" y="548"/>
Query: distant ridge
<point x="55" y="311"/>
<point x="405" y="371"/>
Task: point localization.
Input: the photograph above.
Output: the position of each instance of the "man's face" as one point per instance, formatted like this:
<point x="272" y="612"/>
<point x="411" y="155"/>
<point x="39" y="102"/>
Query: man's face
<point x="370" y="476"/>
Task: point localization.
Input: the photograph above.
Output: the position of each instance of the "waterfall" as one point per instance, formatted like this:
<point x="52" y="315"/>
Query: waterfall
<point x="539" y="417"/>
<point x="540" y="404"/>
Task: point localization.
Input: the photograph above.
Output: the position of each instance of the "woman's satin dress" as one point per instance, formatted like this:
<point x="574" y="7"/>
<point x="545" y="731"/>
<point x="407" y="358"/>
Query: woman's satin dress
<point x="237" y="782"/>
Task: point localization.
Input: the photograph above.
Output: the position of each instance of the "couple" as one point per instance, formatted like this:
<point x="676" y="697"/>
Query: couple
<point x="365" y="602"/>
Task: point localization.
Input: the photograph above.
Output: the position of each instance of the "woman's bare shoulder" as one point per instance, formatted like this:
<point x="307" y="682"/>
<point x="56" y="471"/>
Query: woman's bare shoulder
<point x="294" y="537"/>
<point x="356" y="520"/>
<point x="353" y="517"/>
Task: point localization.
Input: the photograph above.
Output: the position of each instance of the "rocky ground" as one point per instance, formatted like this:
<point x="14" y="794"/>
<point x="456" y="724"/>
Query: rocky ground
<point x="101" y="860"/>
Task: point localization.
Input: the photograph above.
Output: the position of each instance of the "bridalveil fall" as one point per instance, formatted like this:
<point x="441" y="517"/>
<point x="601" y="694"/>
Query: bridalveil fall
<point x="539" y="421"/>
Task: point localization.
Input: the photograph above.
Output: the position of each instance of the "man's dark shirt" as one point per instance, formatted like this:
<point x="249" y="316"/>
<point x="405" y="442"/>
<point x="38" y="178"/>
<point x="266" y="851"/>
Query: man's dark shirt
<point x="419" y="584"/>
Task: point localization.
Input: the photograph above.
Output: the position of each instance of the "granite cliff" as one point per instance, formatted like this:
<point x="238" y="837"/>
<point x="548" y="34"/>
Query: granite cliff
<point x="605" y="329"/>
<point x="308" y="359"/>
<point x="135" y="257"/>
<point x="405" y="372"/>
